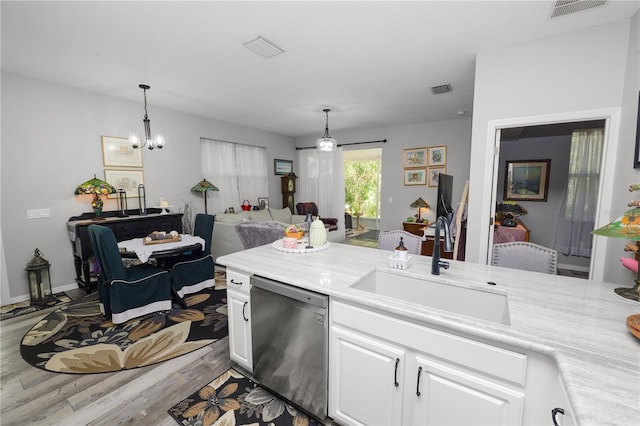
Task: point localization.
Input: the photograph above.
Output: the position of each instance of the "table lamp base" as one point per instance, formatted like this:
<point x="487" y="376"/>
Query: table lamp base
<point x="632" y="293"/>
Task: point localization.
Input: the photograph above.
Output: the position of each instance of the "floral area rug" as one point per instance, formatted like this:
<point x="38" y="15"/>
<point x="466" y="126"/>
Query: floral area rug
<point x="21" y="308"/>
<point x="78" y="339"/>
<point x="232" y="399"/>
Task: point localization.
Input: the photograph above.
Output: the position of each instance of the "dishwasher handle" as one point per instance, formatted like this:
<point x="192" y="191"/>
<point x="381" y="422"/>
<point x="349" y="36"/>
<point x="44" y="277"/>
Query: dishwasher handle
<point x="290" y="291"/>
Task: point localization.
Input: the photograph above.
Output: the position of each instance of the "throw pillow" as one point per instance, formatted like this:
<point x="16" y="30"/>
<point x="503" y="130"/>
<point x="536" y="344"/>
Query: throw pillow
<point x="231" y="217"/>
<point x="281" y="215"/>
<point x="297" y="218"/>
<point x="261" y="215"/>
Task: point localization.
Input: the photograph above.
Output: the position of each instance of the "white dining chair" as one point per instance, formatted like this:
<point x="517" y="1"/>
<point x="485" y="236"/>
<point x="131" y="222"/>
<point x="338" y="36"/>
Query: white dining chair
<point x="389" y="240"/>
<point x="526" y="256"/>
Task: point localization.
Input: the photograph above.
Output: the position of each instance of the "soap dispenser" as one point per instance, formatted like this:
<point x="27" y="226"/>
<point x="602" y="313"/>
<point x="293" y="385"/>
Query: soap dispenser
<point x="401" y="251"/>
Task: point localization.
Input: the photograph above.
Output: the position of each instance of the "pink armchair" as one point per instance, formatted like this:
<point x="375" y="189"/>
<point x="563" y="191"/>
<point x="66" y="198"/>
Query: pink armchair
<point x="331" y="224"/>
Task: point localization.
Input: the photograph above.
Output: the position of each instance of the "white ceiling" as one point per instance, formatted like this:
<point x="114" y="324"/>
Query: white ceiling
<point x="371" y="62"/>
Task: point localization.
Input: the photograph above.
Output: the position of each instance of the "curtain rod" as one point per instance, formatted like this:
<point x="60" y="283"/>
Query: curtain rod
<point x="231" y="142"/>
<point x="345" y="144"/>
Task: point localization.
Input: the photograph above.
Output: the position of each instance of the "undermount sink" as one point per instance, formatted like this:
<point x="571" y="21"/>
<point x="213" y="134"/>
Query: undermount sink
<point x="477" y="303"/>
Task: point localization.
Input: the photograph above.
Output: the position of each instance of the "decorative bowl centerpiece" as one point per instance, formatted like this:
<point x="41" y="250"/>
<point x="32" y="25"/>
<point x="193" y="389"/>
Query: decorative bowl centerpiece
<point x="294" y="231"/>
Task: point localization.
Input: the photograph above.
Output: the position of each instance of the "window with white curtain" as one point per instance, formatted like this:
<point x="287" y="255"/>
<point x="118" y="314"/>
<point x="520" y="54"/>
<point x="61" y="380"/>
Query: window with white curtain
<point x="239" y="171"/>
<point x="321" y="181"/>
<point x="578" y="210"/>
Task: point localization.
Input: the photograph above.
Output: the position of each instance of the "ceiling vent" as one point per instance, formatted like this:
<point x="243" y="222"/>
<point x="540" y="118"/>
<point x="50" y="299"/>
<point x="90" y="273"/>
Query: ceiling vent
<point x="263" y="47"/>
<point x="566" y="7"/>
<point x="443" y="88"/>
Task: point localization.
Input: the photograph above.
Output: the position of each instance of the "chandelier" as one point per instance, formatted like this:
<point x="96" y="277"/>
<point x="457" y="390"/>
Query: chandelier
<point x="326" y="142"/>
<point x="134" y="140"/>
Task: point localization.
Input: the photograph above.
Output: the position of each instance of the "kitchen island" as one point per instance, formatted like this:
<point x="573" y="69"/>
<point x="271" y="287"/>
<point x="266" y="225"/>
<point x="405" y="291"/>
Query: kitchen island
<point x="579" y="324"/>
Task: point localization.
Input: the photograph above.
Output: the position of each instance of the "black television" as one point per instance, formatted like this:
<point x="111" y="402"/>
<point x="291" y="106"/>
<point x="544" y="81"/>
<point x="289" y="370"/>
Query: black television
<point x="445" y="191"/>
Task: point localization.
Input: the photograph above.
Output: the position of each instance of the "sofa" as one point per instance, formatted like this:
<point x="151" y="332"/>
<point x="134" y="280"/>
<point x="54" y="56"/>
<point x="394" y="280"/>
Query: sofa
<point x="267" y="224"/>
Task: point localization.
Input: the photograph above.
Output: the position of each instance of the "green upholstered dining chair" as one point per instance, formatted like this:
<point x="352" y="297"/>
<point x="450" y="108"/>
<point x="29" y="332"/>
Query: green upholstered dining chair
<point x="127" y="293"/>
<point x="196" y="271"/>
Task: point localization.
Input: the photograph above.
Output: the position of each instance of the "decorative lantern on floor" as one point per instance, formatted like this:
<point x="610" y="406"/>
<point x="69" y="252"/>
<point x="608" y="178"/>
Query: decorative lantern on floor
<point x="39" y="279"/>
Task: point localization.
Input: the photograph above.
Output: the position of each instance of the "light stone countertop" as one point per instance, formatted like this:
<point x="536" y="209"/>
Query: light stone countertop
<point x="580" y="323"/>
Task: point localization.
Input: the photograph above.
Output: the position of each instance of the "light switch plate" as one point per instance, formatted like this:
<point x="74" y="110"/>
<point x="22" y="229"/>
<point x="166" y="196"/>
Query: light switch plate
<point x="38" y="213"/>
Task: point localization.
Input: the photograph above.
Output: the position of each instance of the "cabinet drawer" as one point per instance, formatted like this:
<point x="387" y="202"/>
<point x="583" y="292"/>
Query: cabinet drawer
<point x="478" y="356"/>
<point x="238" y="281"/>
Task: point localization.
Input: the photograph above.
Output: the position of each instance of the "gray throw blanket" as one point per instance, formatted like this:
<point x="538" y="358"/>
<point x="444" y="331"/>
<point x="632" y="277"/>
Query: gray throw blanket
<point x="254" y="234"/>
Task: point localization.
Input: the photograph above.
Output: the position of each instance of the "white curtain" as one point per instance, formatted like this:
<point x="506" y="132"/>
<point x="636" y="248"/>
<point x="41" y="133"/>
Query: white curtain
<point x="239" y="172"/>
<point x="251" y="166"/>
<point x="578" y="210"/>
<point x="321" y="180"/>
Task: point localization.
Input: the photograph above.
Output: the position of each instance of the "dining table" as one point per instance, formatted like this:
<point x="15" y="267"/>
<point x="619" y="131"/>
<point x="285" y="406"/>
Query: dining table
<point x="136" y="247"/>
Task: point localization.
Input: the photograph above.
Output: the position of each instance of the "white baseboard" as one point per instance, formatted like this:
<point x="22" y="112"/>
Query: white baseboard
<point x="58" y="289"/>
<point x="573" y="267"/>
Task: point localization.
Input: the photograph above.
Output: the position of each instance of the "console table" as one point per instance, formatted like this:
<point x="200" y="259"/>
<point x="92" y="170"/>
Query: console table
<point x="506" y="234"/>
<point x="124" y="228"/>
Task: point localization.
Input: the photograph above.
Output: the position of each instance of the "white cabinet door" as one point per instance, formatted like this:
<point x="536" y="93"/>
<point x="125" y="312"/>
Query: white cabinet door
<point x="365" y="383"/>
<point x="448" y="395"/>
<point x="239" y="310"/>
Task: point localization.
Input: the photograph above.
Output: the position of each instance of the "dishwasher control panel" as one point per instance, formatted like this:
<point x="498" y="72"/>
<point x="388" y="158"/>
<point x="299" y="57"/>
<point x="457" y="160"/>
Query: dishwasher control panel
<point x="292" y="292"/>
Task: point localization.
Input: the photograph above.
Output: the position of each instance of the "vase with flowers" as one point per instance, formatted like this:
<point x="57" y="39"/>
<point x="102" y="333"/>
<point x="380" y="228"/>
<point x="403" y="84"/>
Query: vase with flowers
<point x="294" y="231"/>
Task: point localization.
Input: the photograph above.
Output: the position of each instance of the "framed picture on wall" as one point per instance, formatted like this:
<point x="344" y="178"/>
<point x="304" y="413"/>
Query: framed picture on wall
<point x="263" y="203"/>
<point x="282" y="167"/>
<point x="526" y="180"/>
<point x="117" y="152"/>
<point x="414" y="157"/>
<point x="124" y="179"/>
<point x="434" y="173"/>
<point x="417" y="176"/>
<point x="437" y="156"/>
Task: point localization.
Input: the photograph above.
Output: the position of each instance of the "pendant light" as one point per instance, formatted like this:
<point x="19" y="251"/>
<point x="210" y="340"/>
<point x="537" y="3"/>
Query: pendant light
<point x="326" y="143"/>
<point x="134" y="140"/>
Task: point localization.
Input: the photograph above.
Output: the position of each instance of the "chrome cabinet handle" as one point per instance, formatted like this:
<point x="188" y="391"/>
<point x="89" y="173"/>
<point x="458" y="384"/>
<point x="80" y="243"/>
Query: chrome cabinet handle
<point x="418" y="385"/>
<point x="554" y="413"/>
<point x="236" y="283"/>
<point x="243" y="309"/>
<point x="395" y="374"/>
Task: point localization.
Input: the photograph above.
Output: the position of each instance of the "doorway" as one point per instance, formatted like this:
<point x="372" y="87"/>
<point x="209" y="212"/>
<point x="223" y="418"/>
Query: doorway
<point x="362" y="181"/>
<point x="552" y="143"/>
<point x="610" y="118"/>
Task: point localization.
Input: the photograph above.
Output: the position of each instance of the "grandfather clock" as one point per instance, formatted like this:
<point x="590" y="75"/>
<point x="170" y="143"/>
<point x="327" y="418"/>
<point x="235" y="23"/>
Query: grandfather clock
<point x="288" y="189"/>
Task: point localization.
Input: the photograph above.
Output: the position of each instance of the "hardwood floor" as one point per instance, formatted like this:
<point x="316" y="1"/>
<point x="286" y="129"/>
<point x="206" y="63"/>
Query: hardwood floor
<point x="140" y="396"/>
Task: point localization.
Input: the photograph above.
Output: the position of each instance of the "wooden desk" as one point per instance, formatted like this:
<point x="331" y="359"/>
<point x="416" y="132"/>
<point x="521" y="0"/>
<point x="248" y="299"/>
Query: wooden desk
<point x="124" y="228"/>
<point x="427" y="246"/>
<point x="414" y="227"/>
<point x="506" y="234"/>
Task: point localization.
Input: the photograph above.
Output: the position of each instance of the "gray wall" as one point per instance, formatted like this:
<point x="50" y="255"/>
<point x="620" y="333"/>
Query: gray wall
<point x="541" y="216"/>
<point x="51" y="143"/>
<point x="454" y="134"/>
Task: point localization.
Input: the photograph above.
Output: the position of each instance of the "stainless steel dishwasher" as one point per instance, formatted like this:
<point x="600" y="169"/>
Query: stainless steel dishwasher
<point x="289" y="333"/>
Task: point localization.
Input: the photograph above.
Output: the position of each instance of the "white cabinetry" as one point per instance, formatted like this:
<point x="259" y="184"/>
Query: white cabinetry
<point x="447" y="394"/>
<point x="364" y="379"/>
<point x="384" y="370"/>
<point x="239" y="310"/>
